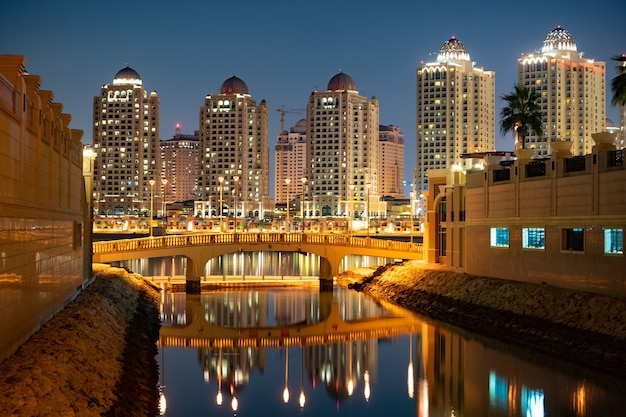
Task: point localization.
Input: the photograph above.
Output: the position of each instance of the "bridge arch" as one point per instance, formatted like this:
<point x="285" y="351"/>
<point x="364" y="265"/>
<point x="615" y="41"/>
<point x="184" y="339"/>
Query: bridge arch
<point x="200" y="248"/>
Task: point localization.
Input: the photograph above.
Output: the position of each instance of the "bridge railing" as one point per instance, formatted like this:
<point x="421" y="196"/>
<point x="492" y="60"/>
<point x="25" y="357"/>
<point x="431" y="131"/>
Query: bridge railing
<point x="173" y="241"/>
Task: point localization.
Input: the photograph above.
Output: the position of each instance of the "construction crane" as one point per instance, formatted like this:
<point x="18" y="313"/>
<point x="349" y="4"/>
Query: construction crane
<point x="282" y="115"/>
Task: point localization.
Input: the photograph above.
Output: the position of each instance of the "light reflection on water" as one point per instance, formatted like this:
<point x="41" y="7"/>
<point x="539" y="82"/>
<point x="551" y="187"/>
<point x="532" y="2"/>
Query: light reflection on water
<point x="268" y="352"/>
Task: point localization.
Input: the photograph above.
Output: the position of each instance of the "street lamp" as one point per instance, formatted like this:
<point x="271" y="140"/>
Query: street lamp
<point x="367" y="209"/>
<point x="164" y="182"/>
<point x="304" y="181"/>
<point x="287" y="181"/>
<point x="221" y="180"/>
<point x="412" y="195"/>
<point x="151" y="203"/>
<point x="351" y="214"/>
<point x="236" y="179"/>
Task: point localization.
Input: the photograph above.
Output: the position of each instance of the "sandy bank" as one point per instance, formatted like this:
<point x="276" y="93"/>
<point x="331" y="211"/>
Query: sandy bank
<point x="87" y="360"/>
<point x="585" y="328"/>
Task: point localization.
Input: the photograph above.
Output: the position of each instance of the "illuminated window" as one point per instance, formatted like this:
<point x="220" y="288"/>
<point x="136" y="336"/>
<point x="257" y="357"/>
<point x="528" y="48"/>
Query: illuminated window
<point x="533" y="238"/>
<point x="500" y="237"/>
<point x="573" y="239"/>
<point x="614" y="241"/>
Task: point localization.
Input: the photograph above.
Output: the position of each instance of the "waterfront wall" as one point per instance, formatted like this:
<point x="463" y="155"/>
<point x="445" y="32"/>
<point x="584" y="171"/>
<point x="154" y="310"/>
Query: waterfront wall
<point x="41" y="206"/>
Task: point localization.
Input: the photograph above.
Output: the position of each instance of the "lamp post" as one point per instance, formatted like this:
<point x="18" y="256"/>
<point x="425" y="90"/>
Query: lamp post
<point x="304" y="181"/>
<point x="367" y="209"/>
<point x="164" y="182"/>
<point x="351" y="214"/>
<point x="236" y="179"/>
<point x="412" y="195"/>
<point x="151" y="203"/>
<point x="221" y="180"/>
<point x="287" y="181"/>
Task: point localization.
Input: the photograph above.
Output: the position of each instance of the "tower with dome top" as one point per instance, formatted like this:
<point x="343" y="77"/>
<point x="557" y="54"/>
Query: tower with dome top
<point x="342" y="161"/>
<point x="455" y="112"/>
<point x="572" y="92"/>
<point x="233" y="146"/>
<point x="126" y="144"/>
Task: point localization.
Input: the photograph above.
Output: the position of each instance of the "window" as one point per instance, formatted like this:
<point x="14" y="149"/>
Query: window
<point x="614" y="241"/>
<point x="533" y="238"/>
<point x="500" y="237"/>
<point x="573" y="239"/>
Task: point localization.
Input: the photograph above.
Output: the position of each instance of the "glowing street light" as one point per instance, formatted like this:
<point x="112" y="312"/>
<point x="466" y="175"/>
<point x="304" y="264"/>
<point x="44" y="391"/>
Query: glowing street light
<point x="304" y="181"/>
<point x="151" y="203"/>
<point x="367" y="209"/>
<point x="287" y="181"/>
<point x="164" y="182"/>
<point x="236" y="179"/>
<point x="412" y="195"/>
<point x="221" y="180"/>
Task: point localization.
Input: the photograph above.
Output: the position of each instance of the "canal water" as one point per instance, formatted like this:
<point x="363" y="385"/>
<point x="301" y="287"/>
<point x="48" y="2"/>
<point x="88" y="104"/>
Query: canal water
<point x="302" y="351"/>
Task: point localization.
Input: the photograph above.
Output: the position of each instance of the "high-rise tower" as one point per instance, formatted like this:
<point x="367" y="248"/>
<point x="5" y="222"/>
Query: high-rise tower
<point x="290" y="163"/>
<point x="391" y="161"/>
<point x="455" y="111"/>
<point x="179" y="165"/>
<point x="342" y="163"/>
<point x="234" y="147"/>
<point x="572" y="90"/>
<point x="126" y="143"/>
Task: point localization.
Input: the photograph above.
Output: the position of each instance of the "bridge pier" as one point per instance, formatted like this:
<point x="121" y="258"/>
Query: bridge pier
<point x="192" y="277"/>
<point x="326" y="275"/>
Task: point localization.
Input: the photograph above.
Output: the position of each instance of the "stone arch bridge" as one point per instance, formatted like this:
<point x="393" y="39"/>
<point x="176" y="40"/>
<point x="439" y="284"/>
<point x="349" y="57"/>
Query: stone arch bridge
<point x="200" y="248"/>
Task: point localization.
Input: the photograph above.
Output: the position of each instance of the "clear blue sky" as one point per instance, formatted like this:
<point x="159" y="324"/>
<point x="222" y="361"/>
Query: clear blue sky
<point x="284" y="49"/>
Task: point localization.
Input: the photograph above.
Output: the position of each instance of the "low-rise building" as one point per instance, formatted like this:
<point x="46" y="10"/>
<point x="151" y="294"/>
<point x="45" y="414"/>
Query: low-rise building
<point x="557" y="220"/>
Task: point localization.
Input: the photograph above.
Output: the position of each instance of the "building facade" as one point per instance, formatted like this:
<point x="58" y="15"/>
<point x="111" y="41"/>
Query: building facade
<point x="391" y="161"/>
<point x="179" y="165"/>
<point x="42" y="206"/>
<point x="558" y="221"/>
<point x="342" y="154"/>
<point x="126" y="144"/>
<point x="572" y="90"/>
<point x="455" y="111"/>
<point x="290" y="155"/>
<point x="234" y="154"/>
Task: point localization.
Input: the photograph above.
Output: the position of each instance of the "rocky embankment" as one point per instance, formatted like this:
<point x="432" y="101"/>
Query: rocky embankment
<point x="584" y="328"/>
<point x="97" y="357"/>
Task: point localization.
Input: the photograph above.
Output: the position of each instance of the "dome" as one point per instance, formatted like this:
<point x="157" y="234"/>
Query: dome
<point x="127" y="75"/>
<point x="453" y="50"/>
<point x="558" y="40"/>
<point x="341" y="82"/>
<point x="234" y="85"/>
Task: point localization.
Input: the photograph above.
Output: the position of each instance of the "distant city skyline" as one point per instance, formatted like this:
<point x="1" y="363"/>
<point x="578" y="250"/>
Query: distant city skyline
<point x="283" y="52"/>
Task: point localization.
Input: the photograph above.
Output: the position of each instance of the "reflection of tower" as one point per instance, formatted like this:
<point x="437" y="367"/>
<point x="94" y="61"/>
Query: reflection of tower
<point x="443" y="353"/>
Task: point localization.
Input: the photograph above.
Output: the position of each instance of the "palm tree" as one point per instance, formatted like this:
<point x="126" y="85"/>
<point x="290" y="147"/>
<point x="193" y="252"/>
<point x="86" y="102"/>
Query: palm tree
<point x="522" y="114"/>
<point x="618" y="84"/>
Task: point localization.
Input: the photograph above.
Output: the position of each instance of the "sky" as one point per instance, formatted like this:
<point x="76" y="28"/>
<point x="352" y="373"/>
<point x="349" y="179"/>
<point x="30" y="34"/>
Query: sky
<point x="285" y="49"/>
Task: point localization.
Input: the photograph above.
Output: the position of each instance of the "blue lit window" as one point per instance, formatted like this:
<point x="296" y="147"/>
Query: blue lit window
<point x="500" y="237"/>
<point x="533" y="238"/>
<point x="614" y="241"/>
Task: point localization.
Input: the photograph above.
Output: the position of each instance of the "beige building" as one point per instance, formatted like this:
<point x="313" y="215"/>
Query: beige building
<point x="572" y="90"/>
<point x="234" y="147"/>
<point x="558" y="221"/>
<point x="343" y="151"/>
<point x="391" y="161"/>
<point x="179" y="164"/>
<point x="42" y="206"/>
<point x="455" y="111"/>
<point x="126" y="144"/>
<point x="290" y="161"/>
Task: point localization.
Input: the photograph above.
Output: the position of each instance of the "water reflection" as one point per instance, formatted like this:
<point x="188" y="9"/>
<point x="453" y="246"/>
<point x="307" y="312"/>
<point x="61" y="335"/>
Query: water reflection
<point x="287" y="352"/>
